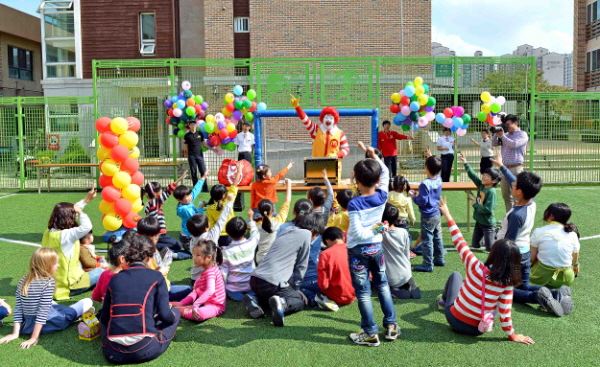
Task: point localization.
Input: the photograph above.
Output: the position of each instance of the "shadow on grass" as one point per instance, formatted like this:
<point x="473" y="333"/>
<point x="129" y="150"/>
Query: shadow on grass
<point x="35" y="237"/>
<point x="6" y="288"/>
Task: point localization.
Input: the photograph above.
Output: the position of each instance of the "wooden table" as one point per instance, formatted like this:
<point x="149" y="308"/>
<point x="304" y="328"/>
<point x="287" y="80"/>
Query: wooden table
<point x="467" y="187"/>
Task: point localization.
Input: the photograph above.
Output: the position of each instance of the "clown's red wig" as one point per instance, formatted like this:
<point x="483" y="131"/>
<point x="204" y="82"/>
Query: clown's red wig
<point x="330" y="111"/>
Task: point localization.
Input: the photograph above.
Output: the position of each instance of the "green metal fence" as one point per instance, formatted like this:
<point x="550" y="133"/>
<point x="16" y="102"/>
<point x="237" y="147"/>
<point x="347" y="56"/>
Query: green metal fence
<point x="563" y="127"/>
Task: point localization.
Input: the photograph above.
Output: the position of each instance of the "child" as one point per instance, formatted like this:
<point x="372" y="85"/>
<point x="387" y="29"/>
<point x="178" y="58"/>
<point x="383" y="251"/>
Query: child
<point x="334" y="280"/>
<point x="186" y="208"/>
<point x="484" y="205"/>
<point x="207" y="299"/>
<point x="445" y="145"/>
<point x="396" y="249"/>
<point x="301" y="207"/>
<point x="218" y="194"/>
<point x="245" y="143"/>
<point x="486" y="150"/>
<point x="238" y="257"/>
<point x="269" y="224"/>
<point x="400" y="198"/>
<point x="310" y="286"/>
<point x="365" y="249"/>
<point x="462" y="300"/>
<point x="154" y="208"/>
<point x="35" y="313"/>
<point x="339" y="216"/>
<point x="264" y="186"/>
<point x="555" y="249"/>
<point x="5" y="310"/>
<point x="320" y="200"/>
<point x="87" y="254"/>
<point x="62" y="235"/>
<point x="116" y="255"/>
<point x="428" y="199"/>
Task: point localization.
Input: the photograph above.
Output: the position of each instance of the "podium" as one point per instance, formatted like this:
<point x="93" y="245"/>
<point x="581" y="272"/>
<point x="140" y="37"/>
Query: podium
<point x="313" y="171"/>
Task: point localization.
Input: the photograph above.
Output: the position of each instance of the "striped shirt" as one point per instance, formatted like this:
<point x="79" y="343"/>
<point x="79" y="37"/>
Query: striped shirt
<point x="467" y="306"/>
<point x="154" y="207"/>
<point x="38" y="301"/>
<point x="208" y="289"/>
<point x="513" y="147"/>
<point x="238" y="261"/>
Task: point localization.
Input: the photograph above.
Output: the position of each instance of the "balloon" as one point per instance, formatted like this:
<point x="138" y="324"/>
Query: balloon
<point x="134" y="153"/>
<point x="198" y="99"/>
<point x="396" y="97"/>
<point x="485" y="96"/>
<point x="223" y="134"/>
<point x="230" y="107"/>
<point x="418" y="81"/>
<point x="233" y="134"/>
<point x="419" y="91"/>
<point x="190" y="102"/>
<point x="186" y="85"/>
<point x="210" y="118"/>
<point x="414" y="116"/>
<point x="181" y="134"/>
<point x="440" y="118"/>
<point x="249" y="116"/>
<point x="457" y="122"/>
<point x="109" y="167"/>
<point x="399" y="118"/>
<point x="219" y="117"/>
<point x="110" y="194"/>
<point x="111" y="222"/>
<point x="405" y="110"/>
<point x="102" y="124"/>
<point x="481" y="116"/>
<point x="104" y="181"/>
<point x="422" y="121"/>
<point x="133" y="124"/>
<point x="180" y="104"/>
<point x="251" y="94"/>
<point x="190" y="111"/>
<point x="394" y="108"/>
<point x="129" y="139"/>
<point x="229" y="98"/>
<point x="405" y="127"/>
<point x="137" y="178"/>
<point x="430" y="116"/>
<point x="230" y="127"/>
<point x="262" y="106"/>
<point x="466" y="119"/>
<point x="122" y="207"/>
<point x="461" y="132"/>
<point x="237" y="115"/>
<point x="496" y="120"/>
<point x="119" y="152"/>
<point x="414" y="106"/>
<point x="238" y="90"/>
<point x="247" y="104"/>
<point x="447" y="123"/>
<point x="130" y="220"/>
<point x="458" y="111"/>
<point x="118" y="125"/>
<point x="486" y="107"/>
<point x="404" y="100"/>
<point x="137" y="206"/>
<point x="214" y="141"/>
<point x="102" y="153"/>
<point x="187" y="94"/>
<point x="106" y="207"/>
<point x="501" y="100"/>
<point x="130" y="165"/>
<point x="108" y="139"/>
<point x="448" y="112"/>
<point x="409" y="91"/>
<point x="209" y="126"/>
<point x="131" y="192"/>
<point x="174" y="99"/>
<point x="496" y="107"/>
<point x="177" y="112"/>
<point x="230" y="146"/>
<point x="431" y="102"/>
<point x="423" y="99"/>
<point x="121" y="179"/>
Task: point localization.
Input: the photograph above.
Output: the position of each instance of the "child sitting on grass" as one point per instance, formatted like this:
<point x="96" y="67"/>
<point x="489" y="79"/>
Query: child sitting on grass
<point x="35" y="313"/>
<point x="334" y="280"/>
<point x="207" y="299"/>
<point x="264" y="186"/>
<point x="238" y="257"/>
<point x="484" y="205"/>
<point x="400" y="198"/>
<point x="187" y="208"/>
<point x="116" y="255"/>
<point x="339" y="216"/>
<point x="268" y="225"/>
<point x="87" y="254"/>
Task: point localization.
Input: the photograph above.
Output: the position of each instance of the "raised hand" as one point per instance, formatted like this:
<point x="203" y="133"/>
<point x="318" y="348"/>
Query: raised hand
<point x="294" y="101"/>
<point x="497" y="160"/>
<point x="290" y="165"/>
<point x="462" y="158"/>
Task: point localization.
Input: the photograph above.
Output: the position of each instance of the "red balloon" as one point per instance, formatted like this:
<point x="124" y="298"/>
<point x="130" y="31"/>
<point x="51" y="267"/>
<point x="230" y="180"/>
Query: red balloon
<point x="490" y="119"/>
<point x="214" y="140"/>
<point x="119" y="153"/>
<point x="233" y="134"/>
<point x="111" y="193"/>
<point x="105" y="181"/>
<point x="109" y="139"/>
<point x="404" y="100"/>
<point x="230" y="107"/>
<point x="170" y="112"/>
<point x="200" y="114"/>
<point x="134" y="124"/>
<point x="103" y="124"/>
<point x="253" y="107"/>
<point x="130" y="165"/>
<point x="198" y="109"/>
<point x="130" y="220"/>
<point x="448" y="112"/>
<point x="223" y="134"/>
<point x="168" y="120"/>
<point x="395" y="108"/>
<point x="137" y="178"/>
<point x="122" y="207"/>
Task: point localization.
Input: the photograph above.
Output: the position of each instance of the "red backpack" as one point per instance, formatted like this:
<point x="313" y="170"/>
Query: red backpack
<point x="228" y="170"/>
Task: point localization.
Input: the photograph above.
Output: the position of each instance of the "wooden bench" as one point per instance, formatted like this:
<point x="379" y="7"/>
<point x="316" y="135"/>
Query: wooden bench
<point x="467" y="187"/>
<point x="49" y="167"/>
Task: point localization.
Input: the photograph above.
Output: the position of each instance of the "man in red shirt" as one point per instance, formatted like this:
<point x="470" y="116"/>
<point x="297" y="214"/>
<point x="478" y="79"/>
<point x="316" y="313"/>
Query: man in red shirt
<point x="386" y="142"/>
<point x="333" y="271"/>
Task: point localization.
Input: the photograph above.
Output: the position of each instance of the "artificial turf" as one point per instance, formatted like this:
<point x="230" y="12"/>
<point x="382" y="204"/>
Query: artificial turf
<point x="320" y="338"/>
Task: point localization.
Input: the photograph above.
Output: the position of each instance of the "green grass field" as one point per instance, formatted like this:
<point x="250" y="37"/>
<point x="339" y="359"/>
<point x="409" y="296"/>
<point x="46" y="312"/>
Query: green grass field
<point x="316" y="337"/>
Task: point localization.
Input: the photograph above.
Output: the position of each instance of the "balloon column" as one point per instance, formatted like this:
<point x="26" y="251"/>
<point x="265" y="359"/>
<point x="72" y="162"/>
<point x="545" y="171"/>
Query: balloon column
<point x="184" y="108"/>
<point x="490" y="108"/>
<point x="120" y="179"/>
<point x="454" y="118"/>
<point x="413" y="105"/>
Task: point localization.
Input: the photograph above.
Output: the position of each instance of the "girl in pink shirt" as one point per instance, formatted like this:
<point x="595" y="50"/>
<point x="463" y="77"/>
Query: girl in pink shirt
<point x="207" y="299"/>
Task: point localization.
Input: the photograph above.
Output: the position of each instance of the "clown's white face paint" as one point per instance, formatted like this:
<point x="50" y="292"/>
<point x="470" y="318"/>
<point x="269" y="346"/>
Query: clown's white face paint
<point x="328" y="123"/>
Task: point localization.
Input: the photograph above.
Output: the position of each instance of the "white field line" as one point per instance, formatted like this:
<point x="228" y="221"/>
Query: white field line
<point x="6" y="196"/>
<point x="17" y="242"/>
<point x="589" y="238"/>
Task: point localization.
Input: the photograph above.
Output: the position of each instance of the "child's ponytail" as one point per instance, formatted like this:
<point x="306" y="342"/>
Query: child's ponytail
<point x="150" y="189"/>
<point x="265" y="208"/>
<point x="217" y="194"/>
<point x="261" y="172"/>
<point x="400" y="184"/>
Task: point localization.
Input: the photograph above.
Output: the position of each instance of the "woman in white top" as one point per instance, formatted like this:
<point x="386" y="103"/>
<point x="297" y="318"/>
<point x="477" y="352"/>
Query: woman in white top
<point x="445" y="145"/>
<point x="555" y="249"/>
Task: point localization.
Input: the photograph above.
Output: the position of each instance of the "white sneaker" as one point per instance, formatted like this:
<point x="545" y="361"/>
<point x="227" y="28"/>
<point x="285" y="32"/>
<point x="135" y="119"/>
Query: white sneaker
<point x="325" y="303"/>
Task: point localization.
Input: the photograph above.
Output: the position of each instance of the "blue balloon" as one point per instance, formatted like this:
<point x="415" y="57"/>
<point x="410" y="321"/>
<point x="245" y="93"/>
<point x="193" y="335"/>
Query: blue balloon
<point x="181" y="104"/>
<point x="174" y="99"/>
<point x="440" y="118"/>
<point x="409" y="91"/>
<point x="457" y="122"/>
<point x="187" y="93"/>
<point x="238" y="90"/>
<point x="181" y="95"/>
<point x="414" y="106"/>
<point x="398" y="119"/>
<point x="168" y="103"/>
<point x="262" y="106"/>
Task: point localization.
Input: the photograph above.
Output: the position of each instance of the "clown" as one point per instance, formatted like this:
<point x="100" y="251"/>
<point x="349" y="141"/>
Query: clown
<point x="329" y="141"/>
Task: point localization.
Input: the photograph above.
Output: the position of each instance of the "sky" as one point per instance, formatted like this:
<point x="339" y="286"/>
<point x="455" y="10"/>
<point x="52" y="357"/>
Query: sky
<point x="495" y="27"/>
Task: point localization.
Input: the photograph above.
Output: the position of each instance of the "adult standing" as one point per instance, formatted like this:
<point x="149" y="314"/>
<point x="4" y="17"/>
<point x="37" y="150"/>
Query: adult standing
<point x="512" y="148"/>
<point x="194" y="141"/>
<point x="245" y="143"/>
<point x="386" y="142"/>
<point x="445" y="145"/>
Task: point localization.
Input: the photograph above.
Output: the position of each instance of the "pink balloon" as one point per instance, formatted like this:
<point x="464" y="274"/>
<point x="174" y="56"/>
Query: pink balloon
<point x="496" y="120"/>
<point x="430" y="116"/>
<point x="405" y="110"/>
<point x="448" y="123"/>
<point x="177" y="112"/>
<point x="422" y="121"/>
<point x="458" y="111"/>
<point x="461" y="132"/>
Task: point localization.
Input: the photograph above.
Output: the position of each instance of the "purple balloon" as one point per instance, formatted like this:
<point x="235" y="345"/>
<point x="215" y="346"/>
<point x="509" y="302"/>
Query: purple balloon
<point x="429" y="109"/>
<point x="458" y="111"/>
<point x="168" y="103"/>
<point x="226" y="140"/>
<point x="204" y="106"/>
<point x="221" y="125"/>
<point x="237" y="115"/>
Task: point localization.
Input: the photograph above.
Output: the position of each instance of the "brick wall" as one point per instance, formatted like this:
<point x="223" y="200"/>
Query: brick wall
<point x="579" y="44"/>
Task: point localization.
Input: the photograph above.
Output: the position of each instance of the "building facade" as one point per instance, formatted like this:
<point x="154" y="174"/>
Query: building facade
<point x="586" y="45"/>
<point x="556" y="68"/>
<point x="20" y="54"/>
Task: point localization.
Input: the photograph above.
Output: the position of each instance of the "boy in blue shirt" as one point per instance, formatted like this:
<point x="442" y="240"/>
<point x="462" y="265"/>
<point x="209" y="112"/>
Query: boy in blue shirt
<point x="365" y="249"/>
<point x="428" y="200"/>
<point x="186" y="208"/>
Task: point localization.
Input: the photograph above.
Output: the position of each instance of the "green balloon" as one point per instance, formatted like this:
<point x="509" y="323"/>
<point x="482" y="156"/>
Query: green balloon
<point x="229" y="146"/>
<point x="181" y="126"/>
<point x="239" y="104"/>
<point x="251" y="94"/>
<point x="414" y="98"/>
<point x="426" y="87"/>
<point x="405" y="127"/>
<point x="247" y="104"/>
<point x="249" y="116"/>
<point x="190" y="111"/>
<point x="496" y="107"/>
<point x="431" y="102"/>
<point x="409" y="84"/>
<point x="181" y="133"/>
<point x="209" y="127"/>
<point x="481" y="116"/>
<point x="204" y="148"/>
<point x="466" y="119"/>
<point x="198" y="99"/>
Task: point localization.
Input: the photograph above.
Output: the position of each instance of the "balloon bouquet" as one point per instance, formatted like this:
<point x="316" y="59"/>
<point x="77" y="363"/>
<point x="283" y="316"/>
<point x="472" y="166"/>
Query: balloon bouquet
<point x="120" y="179"/>
<point x="455" y="119"/>
<point x="413" y="106"/>
<point x="490" y="108"/>
<point x="184" y="108"/>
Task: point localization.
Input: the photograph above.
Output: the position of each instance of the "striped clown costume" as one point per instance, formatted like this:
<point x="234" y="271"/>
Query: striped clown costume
<point x="329" y="141"/>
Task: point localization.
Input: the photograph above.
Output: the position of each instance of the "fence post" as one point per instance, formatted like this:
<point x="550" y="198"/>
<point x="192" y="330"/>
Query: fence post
<point x="532" y="102"/>
<point x="96" y="117"/>
<point x="455" y="79"/>
<point x="21" y="143"/>
<point x="173" y="90"/>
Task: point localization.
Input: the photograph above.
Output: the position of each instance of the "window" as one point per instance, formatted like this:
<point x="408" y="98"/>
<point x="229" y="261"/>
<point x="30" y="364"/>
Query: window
<point x="63" y="118"/>
<point x="595" y="11"/>
<point x="20" y="63"/>
<point x="589" y="13"/>
<point x="241" y="25"/>
<point x="59" y="38"/>
<point x="147" y="33"/>
<point x="588" y="64"/>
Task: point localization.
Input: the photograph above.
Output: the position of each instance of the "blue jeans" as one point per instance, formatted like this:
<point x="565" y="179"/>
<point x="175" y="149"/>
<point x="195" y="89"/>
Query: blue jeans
<point x="238" y="296"/>
<point x="310" y="288"/>
<point x="525" y="293"/>
<point x="60" y="317"/>
<point x="365" y="259"/>
<point x="432" y="244"/>
<point x="178" y="292"/>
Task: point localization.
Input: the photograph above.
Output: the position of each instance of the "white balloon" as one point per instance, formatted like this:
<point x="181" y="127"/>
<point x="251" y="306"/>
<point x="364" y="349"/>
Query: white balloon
<point x="186" y="85"/>
<point x="501" y="100"/>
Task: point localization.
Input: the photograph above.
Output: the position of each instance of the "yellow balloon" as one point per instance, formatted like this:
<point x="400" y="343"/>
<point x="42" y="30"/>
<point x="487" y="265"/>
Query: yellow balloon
<point x="109" y="167"/>
<point x="129" y="139"/>
<point x="106" y="207"/>
<point x="121" y="179"/>
<point x="111" y="222"/>
<point x="396" y="97"/>
<point x="134" y="153"/>
<point x="132" y="192"/>
<point x="486" y="107"/>
<point x="423" y="98"/>
<point x="486" y="96"/>
<point x="118" y="125"/>
<point x="419" y="91"/>
<point x="229" y="97"/>
<point x="102" y="153"/>
<point x="230" y="127"/>
<point x="418" y="81"/>
<point x="137" y="206"/>
<point x="210" y="118"/>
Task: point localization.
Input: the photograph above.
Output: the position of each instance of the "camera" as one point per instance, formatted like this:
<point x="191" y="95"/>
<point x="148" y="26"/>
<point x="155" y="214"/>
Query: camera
<point x="502" y="127"/>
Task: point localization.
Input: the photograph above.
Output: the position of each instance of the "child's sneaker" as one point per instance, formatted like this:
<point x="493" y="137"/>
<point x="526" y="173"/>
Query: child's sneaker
<point x="363" y="338"/>
<point x="277" y="305"/>
<point x="252" y="307"/>
<point x="7" y="307"/>
<point x="392" y="332"/>
<point x="566" y="303"/>
<point x="439" y="302"/>
<point x="325" y="303"/>
<point x="548" y="303"/>
<point x="423" y="268"/>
